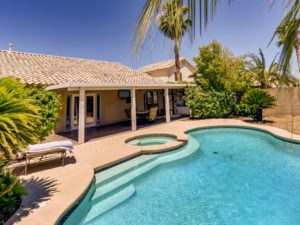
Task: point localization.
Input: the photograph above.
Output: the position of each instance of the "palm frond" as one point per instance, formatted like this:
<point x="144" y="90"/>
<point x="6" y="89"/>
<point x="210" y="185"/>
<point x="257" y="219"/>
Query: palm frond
<point x="172" y="22"/>
<point x="267" y="77"/>
<point x="206" y="11"/>
<point x="149" y="12"/>
<point x="18" y="119"/>
<point x="287" y="33"/>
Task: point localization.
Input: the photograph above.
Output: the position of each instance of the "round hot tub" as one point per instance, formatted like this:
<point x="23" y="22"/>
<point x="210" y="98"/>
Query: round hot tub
<point x="151" y="140"/>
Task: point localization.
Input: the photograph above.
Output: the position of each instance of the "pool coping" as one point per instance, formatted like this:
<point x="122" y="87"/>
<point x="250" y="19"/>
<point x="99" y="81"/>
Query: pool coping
<point x="249" y="128"/>
<point x="145" y="150"/>
<point x="151" y="135"/>
<point x="177" y="128"/>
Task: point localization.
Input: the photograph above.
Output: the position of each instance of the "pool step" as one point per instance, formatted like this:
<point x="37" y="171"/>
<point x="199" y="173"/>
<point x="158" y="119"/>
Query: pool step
<point x="122" y="180"/>
<point x="110" y="202"/>
<point x="119" y="170"/>
<point x="134" y="172"/>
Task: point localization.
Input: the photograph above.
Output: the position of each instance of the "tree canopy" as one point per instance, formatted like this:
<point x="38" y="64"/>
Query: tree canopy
<point x="49" y="104"/>
<point x="219" y="69"/>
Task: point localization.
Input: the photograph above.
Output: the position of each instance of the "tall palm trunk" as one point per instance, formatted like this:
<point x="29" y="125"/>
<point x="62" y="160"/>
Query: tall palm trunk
<point x="177" y="63"/>
<point x="297" y="48"/>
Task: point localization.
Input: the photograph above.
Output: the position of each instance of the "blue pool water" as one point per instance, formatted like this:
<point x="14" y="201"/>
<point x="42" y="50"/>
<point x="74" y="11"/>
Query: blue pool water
<point x="223" y="176"/>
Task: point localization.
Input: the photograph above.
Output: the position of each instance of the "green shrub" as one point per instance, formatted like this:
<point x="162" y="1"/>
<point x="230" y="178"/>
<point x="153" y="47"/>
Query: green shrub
<point x="256" y="100"/>
<point x="49" y="104"/>
<point x="10" y="193"/>
<point x="208" y="104"/>
<point x="240" y="109"/>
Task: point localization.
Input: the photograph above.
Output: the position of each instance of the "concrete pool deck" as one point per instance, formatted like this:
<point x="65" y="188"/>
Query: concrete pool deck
<point x="53" y="189"/>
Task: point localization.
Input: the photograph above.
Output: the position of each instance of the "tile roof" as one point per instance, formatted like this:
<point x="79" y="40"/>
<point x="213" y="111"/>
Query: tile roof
<point x="159" y="66"/>
<point x="47" y="69"/>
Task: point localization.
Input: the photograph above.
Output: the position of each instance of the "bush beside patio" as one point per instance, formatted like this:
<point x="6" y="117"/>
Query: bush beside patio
<point x="27" y="115"/>
<point x="229" y="85"/>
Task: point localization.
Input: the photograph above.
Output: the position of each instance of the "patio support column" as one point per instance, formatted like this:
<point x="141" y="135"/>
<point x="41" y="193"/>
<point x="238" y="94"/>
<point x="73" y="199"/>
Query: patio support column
<point x="167" y="106"/>
<point x="81" y="124"/>
<point x="133" y="110"/>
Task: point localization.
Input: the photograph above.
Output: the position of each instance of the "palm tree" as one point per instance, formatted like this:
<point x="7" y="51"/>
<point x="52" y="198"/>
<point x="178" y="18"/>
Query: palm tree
<point x="173" y="24"/>
<point x="267" y="77"/>
<point x="288" y="35"/>
<point x="264" y="77"/>
<point x="207" y="8"/>
<point x="18" y="119"/>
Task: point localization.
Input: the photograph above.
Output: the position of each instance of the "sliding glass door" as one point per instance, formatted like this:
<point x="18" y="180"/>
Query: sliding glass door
<point x="75" y="111"/>
<point x="90" y="110"/>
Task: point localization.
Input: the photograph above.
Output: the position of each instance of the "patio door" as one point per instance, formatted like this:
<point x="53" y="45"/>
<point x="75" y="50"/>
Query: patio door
<point x="90" y="111"/>
<point x="150" y="99"/>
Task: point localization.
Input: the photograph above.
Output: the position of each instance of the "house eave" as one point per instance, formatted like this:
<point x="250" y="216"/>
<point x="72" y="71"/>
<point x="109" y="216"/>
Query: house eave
<point x="72" y="86"/>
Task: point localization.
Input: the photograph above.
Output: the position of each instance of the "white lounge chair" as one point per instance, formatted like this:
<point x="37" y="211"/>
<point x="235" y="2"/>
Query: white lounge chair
<point x="40" y="150"/>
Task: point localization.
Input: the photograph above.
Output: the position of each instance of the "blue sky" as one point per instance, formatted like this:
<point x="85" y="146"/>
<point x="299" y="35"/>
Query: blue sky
<point x="102" y="29"/>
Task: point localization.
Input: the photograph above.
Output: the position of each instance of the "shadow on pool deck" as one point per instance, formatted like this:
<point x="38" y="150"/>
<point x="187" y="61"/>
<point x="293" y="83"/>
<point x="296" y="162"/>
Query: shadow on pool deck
<point x="49" y="162"/>
<point x="39" y="191"/>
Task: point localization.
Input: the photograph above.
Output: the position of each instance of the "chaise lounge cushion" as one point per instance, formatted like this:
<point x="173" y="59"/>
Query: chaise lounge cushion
<point x="49" y="147"/>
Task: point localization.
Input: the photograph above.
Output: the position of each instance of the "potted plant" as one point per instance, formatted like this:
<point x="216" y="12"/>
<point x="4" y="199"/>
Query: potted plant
<point x="257" y="100"/>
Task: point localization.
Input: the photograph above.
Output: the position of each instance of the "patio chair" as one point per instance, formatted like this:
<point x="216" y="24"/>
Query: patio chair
<point x="153" y="114"/>
<point x="40" y="150"/>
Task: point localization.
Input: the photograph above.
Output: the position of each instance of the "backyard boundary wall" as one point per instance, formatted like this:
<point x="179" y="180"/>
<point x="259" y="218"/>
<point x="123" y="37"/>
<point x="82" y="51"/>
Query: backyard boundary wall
<point x="287" y="101"/>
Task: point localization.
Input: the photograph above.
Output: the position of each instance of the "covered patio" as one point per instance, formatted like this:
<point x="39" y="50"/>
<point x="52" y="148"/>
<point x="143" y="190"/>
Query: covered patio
<point x="96" y="133"/>
<point x="83" y="132"/>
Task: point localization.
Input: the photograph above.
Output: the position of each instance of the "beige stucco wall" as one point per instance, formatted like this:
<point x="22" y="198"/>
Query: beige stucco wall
<point x="112" y="108"/>
<point x="168" y="75"/>
<point x="162" y="74"/>
<point x="186" y="72"/>
<point x="287" y="101"/>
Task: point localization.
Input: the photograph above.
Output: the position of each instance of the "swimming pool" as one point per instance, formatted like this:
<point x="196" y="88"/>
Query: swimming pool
<point x="222" y="176"/>
<point x="151" y="140"/>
